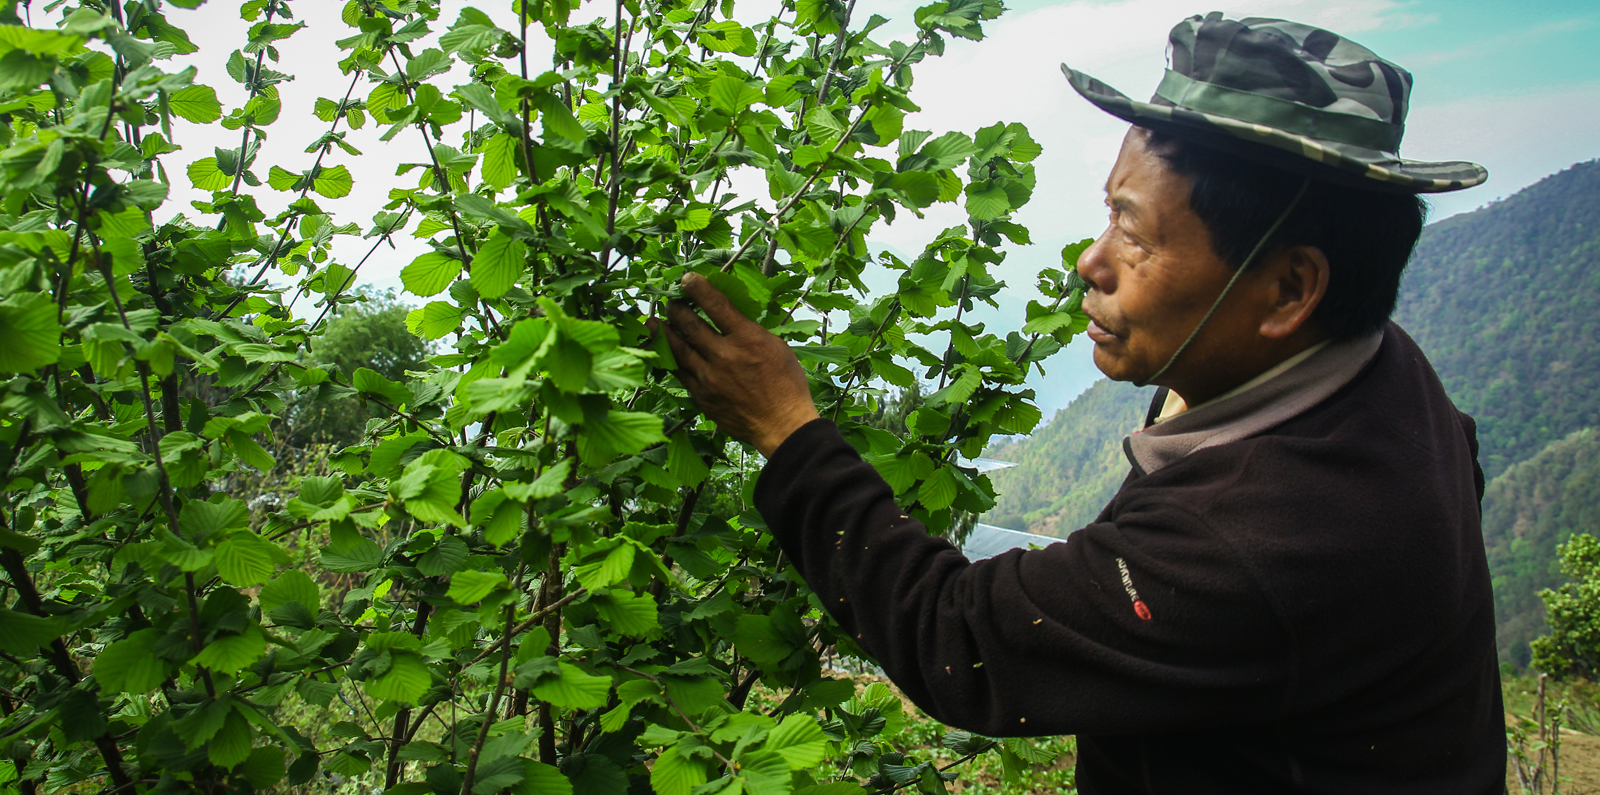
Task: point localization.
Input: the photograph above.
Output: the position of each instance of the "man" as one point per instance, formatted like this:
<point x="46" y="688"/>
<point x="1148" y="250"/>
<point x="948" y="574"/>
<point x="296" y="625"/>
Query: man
<point x="1289" y="592"/>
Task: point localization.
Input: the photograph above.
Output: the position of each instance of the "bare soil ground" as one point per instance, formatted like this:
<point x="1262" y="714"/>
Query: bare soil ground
<point x="1580" y="765"/>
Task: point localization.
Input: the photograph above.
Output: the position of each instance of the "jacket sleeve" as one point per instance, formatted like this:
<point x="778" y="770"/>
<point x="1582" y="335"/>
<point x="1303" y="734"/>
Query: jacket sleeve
<point x="1149" y="623"/>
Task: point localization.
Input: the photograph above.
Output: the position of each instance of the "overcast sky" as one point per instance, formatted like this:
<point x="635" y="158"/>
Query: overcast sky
<point x="1515" y="87"/>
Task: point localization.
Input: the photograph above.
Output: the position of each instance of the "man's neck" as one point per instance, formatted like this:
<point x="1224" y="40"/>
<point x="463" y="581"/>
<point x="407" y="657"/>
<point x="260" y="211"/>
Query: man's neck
<point x="1213" y="382"/>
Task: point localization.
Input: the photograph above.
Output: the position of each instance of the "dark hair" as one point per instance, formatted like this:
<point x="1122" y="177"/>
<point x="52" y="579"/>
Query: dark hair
<point x="1367" y="235"/>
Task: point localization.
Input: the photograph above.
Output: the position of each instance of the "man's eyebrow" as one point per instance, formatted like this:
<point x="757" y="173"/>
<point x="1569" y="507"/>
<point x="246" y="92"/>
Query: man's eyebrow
<point x="1123" y="204"/>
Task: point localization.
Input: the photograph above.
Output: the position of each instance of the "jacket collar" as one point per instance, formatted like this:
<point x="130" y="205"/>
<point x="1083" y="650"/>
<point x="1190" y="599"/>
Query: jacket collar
<point x="1266" y="401"/>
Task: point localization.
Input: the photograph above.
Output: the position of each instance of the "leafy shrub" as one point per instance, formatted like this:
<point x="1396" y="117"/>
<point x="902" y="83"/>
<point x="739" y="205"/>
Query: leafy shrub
<point x="535" y="569"/>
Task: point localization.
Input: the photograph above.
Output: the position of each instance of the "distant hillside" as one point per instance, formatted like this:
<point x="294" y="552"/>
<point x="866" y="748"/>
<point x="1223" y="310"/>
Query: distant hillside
<point x="1506" y="302"/>
<point x="1529" y="509"/>
<point x="1068" y="470"/>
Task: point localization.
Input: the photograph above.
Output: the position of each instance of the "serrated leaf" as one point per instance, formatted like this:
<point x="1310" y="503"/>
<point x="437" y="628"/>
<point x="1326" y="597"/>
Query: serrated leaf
<point x="672" y="774"/>
<point x="333" y="183"/>
<point x="196" y="103"/>
<point x="31" y="333"/>
<point x="429" y="274"/>
<point x="446" y="557"/>
<point x="470" y="587"/>
<point x="406" y="680"/>
<point x="131" y="665"/>
<point x="499" y="262"/>
<point x="245" y="559"/>
<point x="939" y="490"/>
<point x="684" y="462"/>
<point x="798" y="740"/>
<point x="627" y="613"/>
<point x="21" y="634"/>
<point x="231" y="744"/>
<point x="573" y="688"/>
<point x="205" y="175"/>
<point x="731" y="95"/>
<point x="499" y="162"/>
<point x="620" y="433"/>
<point x="439" y="318"/>
<point x="234" y="652"/>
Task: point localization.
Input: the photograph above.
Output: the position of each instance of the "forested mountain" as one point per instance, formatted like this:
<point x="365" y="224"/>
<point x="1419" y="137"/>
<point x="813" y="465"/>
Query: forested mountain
<point x="1504" y="300"/>
<point x="1529" y="509"/>
<point x="1069" y="469"/>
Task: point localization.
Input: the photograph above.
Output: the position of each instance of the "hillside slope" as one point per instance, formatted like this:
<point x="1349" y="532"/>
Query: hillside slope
<point x="1506" y="302"/>
<point x="1529" y="509"/>
<point x="1068" y="470"/>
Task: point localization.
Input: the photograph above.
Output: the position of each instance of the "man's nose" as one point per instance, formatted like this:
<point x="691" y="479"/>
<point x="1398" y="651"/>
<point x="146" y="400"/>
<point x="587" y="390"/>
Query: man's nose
<point x="1094" y="265"/>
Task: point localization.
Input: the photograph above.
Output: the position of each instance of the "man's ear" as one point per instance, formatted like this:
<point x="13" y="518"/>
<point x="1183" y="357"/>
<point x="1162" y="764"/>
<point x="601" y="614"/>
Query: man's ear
<point x="1297" y="281"/>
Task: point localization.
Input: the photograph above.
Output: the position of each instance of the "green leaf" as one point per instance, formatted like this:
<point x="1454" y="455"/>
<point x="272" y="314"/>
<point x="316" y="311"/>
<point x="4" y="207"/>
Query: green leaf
<point x="369" y="382"/>
<point x="684" y="462"/>
<point x="406" y="680"/>
<point x="799" y="741"/>
<point x="921" y="188"/>
<point x="539" y="778"/>
<point x="440" y="318"/>
<point x="205" y="175"/>
<point x="627" y="613"/>
<point x="429" y="274"/>
<point x="264" y="767"/>
<point x="673" y="774"/>
<point x="1044" y="324"/>
<point x="231" y="744"/>
<point x="446" y="557"/>
<point x="573" y="688"/>
<point x="470" y="587"/>
<point x="764" y="773"/>
<point x="291" y="586"/>
<point x="499" y="262"/>
<point x="130" y="665"/>
<point x="334" y="183"/>
<point x="280" y="179"/>
<point x="939" y="490"/>
<point x="549" y="484"/>
<point x="234" y="652"/>
<point x="499" y="163"/>
<point x="196" y="103"/>
<point x="731" y="95"/>
<point x="245" y="559"/>
<point x="31" y="333"/>
<point x="987" y="203"/>
<point x="21" y="634"/>
<point x="620" y="433"/>
<point x="613" y="567"/>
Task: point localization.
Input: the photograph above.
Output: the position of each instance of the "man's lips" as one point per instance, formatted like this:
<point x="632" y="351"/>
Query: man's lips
<point x="1098" y="332"/>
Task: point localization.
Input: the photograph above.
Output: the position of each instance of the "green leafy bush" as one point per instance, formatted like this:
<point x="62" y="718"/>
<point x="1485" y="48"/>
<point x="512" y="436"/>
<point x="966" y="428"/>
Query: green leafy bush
<point x="535" y="569"/>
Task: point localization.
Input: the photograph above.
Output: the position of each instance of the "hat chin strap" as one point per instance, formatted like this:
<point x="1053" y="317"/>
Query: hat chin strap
<point x="1244" y="266"/>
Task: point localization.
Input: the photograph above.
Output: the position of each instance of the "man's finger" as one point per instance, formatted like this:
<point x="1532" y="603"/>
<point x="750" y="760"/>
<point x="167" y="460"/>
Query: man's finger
<point x="714" y="302"/>
<point x="691" y="327"/>
<point x="690" y="362"/>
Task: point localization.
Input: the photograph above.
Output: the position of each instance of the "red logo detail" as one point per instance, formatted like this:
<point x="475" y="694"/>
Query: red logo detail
<point x="1144" y="612"/>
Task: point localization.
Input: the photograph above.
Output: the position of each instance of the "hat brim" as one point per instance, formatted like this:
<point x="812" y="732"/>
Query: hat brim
<point x="1342" y="164"/>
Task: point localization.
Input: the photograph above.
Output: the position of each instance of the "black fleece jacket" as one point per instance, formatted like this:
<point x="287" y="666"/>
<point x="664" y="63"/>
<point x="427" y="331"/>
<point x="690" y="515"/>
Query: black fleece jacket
<point x="1306" y="610"/>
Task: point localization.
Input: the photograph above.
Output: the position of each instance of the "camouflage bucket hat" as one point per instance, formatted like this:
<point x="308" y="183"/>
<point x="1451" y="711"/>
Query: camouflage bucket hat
<point x="1292" y="95"/>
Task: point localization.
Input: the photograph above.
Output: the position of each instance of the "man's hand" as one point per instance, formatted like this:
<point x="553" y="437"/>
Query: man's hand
<point x="745" y="378"/>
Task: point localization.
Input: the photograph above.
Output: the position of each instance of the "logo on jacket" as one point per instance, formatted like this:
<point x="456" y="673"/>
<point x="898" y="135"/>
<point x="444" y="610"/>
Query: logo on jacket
<point x="1133" y="593"/>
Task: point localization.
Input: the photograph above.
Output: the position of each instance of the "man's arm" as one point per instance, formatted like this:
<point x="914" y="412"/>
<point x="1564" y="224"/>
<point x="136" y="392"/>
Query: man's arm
<point x="1042" y="642"/>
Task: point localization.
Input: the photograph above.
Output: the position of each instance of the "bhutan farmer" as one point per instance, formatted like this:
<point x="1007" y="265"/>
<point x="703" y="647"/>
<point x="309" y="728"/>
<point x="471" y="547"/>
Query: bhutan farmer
<point x="1289" y="592"/>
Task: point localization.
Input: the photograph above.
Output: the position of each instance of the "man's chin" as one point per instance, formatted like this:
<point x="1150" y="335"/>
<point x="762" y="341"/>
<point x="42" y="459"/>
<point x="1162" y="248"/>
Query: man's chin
<point x="1114" y="365"/>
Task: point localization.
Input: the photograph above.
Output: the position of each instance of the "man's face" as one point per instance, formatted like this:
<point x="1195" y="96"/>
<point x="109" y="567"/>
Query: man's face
<point x="1152" y="274"/>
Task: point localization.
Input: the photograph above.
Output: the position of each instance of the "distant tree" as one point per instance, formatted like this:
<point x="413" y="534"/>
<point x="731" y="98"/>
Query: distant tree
<point x="1573" y="646"/>
<point x="368" y="333"/>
